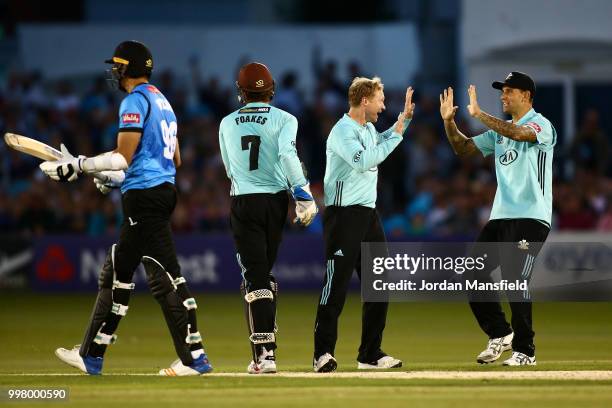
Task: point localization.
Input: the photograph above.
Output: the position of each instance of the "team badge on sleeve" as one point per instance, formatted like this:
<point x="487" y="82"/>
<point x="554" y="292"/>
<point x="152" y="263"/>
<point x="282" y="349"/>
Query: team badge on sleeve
<point x="130" y="118"/>
<point x="534" y="126"/>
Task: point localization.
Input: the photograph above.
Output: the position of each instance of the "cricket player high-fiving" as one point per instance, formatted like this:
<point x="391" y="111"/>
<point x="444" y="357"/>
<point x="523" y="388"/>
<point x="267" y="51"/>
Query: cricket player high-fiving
<point x="143" y="166"/>
<point x="523" y="151"/>
<point x="257" y="144"/>
<point x="354" y="150"/>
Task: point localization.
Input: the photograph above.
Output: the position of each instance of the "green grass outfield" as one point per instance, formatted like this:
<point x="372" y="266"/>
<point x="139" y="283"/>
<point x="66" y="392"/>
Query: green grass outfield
<point x="427" y="337"/>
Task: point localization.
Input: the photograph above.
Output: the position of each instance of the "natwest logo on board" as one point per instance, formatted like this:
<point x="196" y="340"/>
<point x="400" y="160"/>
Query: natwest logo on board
<point x="55" y="265"/>
<point x="196" y="268"/>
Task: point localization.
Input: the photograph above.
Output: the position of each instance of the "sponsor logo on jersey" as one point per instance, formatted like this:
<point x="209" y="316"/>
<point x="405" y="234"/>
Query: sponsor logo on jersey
<point x="260" y="109"/>
<point x="152" y="89"/>
<point x="508" y="157"/>
<point x="130" y="118"/>
<point x="500" y="139"/>
<point x="534" y="126"/>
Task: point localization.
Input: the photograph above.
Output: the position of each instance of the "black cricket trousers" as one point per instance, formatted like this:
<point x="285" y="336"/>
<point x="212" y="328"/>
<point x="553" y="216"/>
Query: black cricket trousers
<point x="257" y="222"/>
<point x="344" y="229"/>
<point x="516" y="261"/>
<point x="146" y="230"/>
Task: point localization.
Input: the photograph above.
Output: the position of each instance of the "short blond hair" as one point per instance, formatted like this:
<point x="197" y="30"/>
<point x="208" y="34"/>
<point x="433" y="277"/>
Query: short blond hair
<point x="362" y="87"/>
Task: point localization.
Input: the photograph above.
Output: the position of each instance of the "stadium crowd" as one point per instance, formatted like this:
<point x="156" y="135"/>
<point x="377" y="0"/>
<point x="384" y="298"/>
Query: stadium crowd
<point x="424" y="191"/>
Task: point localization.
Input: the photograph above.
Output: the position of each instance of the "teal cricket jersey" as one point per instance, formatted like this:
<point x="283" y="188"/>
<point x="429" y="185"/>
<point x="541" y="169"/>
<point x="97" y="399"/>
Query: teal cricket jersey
<point x="523" y="170"/>
<point x="353" y="155"/>
<point x="257" y="144"/>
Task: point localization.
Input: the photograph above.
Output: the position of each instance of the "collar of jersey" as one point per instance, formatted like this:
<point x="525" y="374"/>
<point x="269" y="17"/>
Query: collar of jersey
<point x="530" y="114"/>
<point x="140" y="85"/>
<point x="354" y="122"/>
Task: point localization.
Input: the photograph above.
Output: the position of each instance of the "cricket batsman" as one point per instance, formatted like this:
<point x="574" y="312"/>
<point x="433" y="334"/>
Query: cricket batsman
<point x="523" y="150"/>
<point x="143" y="166"/>
<point x="257" y="144"/>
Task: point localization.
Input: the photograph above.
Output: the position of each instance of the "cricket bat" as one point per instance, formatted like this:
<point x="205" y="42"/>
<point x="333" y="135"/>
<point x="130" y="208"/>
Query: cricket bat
<point x="38" y="149"/>
<point x="32" y="147"/>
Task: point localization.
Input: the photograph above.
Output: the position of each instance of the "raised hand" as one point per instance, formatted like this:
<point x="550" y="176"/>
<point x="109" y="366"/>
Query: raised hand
<point x="408" y="105"/>
<point x="447" y="108"/>
<point x="473" y="107"/>
<point x="407" y="113"/>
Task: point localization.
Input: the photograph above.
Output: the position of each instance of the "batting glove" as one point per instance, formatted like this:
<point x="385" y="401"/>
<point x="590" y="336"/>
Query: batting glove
<point x="305" y="206"/>
<point x="105" y="181"/>
<point x="67" y="168"/>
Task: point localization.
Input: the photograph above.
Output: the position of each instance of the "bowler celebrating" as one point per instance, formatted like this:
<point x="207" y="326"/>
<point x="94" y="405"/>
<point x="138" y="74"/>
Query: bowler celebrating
<point x="354" y="150"/>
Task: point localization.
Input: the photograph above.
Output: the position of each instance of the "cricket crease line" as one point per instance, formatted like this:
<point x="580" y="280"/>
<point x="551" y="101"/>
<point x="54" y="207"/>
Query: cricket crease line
<point x="434" y="375"/>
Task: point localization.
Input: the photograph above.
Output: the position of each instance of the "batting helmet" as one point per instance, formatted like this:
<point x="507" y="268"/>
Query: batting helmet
<point x="255" y="78"/>
<point x="131" y="59"/>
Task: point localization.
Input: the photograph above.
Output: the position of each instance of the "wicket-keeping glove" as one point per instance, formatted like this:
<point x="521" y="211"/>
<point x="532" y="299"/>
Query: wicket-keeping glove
<point x="65" y="169"/>
<point x="107" y="180"/>
<point x="305" y="206"/>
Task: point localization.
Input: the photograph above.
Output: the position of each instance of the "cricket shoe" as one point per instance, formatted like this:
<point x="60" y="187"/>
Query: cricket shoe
<point x="325" y="364"/>
<point x="200" y="366"/>
<point x="89" y="365"/>
<point x="380" y="364"/>
<point x="266" y="363"/>
<point x="520" y="359"/>
<point x="495" y="348"/>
